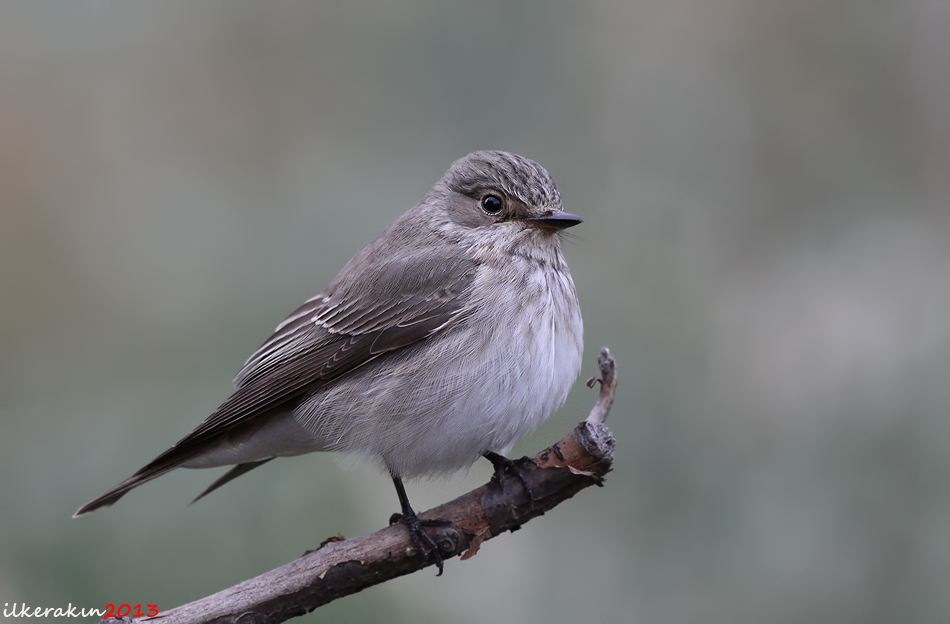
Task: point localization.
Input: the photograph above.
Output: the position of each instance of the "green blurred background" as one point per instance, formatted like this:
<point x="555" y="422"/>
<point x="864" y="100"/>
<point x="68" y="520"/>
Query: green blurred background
<point x="765" y="249"/>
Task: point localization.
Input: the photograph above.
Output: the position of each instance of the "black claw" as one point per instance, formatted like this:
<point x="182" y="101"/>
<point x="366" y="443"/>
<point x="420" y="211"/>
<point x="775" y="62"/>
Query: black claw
<point x="513" y="467"/>
<point x="426" y="545"/>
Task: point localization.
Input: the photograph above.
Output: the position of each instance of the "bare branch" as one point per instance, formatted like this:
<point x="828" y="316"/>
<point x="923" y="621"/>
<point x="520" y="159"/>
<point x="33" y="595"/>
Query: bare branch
<point x="342" y="567"/>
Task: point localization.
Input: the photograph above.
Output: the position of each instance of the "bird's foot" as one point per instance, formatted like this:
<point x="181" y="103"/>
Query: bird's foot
<point x="511" y="467"/>
<point x="426" y="545"/>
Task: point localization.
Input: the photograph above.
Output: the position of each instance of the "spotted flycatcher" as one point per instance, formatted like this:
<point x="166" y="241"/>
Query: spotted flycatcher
<point x="447" y="338"/>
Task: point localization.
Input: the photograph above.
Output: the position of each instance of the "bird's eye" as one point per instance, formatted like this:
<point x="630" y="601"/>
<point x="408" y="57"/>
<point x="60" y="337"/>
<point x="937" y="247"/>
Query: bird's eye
<point x="492" y="204"/>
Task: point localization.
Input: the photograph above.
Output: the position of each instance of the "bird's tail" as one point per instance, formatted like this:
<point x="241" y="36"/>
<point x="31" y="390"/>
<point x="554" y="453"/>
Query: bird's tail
<point x="142" y="476"/>
<point x="163" y="464"/>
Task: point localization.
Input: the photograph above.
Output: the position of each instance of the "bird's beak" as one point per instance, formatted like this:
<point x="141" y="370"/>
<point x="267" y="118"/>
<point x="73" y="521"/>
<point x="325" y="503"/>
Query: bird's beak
<point x="554" y="221"/>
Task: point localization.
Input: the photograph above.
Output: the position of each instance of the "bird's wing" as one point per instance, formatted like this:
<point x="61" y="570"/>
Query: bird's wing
<point x="341" y="329"/>
<point x="396" y="303"/>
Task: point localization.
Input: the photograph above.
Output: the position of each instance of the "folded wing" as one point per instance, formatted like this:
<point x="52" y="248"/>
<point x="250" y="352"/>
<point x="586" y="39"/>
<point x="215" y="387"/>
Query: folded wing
<point x="351" y="323"/>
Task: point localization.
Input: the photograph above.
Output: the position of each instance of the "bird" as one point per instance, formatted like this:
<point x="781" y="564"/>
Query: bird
<point x="447" y="338"/>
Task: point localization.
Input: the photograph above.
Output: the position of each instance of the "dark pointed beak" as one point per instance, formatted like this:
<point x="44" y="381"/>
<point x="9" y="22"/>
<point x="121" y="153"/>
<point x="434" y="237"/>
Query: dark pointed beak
<point x="555" y="221"/>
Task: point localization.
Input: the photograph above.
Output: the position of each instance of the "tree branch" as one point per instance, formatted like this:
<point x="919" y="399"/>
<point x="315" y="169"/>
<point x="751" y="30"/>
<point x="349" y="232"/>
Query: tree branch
<point x="342" y="567"/>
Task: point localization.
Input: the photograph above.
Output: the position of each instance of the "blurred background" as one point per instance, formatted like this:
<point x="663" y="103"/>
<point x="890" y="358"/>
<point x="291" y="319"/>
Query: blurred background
<point x="765" y="249"/>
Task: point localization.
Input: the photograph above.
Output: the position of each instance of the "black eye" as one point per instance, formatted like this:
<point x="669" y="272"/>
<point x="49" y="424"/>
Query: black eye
<point x="492" y="204"/>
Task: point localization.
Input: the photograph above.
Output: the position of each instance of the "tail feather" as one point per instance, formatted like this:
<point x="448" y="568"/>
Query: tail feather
<point x="110" y="497"/>
<point x="163" y="464"/>
<point x="216" y="429"/>
<point x="234" y="473"/>
<point x="157" y="468"/>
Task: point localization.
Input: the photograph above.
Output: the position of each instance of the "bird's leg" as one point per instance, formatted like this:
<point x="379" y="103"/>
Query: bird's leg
<point x="512" y="467"/>
<point x="423" y="542"/>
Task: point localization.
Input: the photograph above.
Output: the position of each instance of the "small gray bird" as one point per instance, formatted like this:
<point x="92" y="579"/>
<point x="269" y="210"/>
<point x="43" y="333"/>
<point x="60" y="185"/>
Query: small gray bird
<point x="447" y="338"/>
